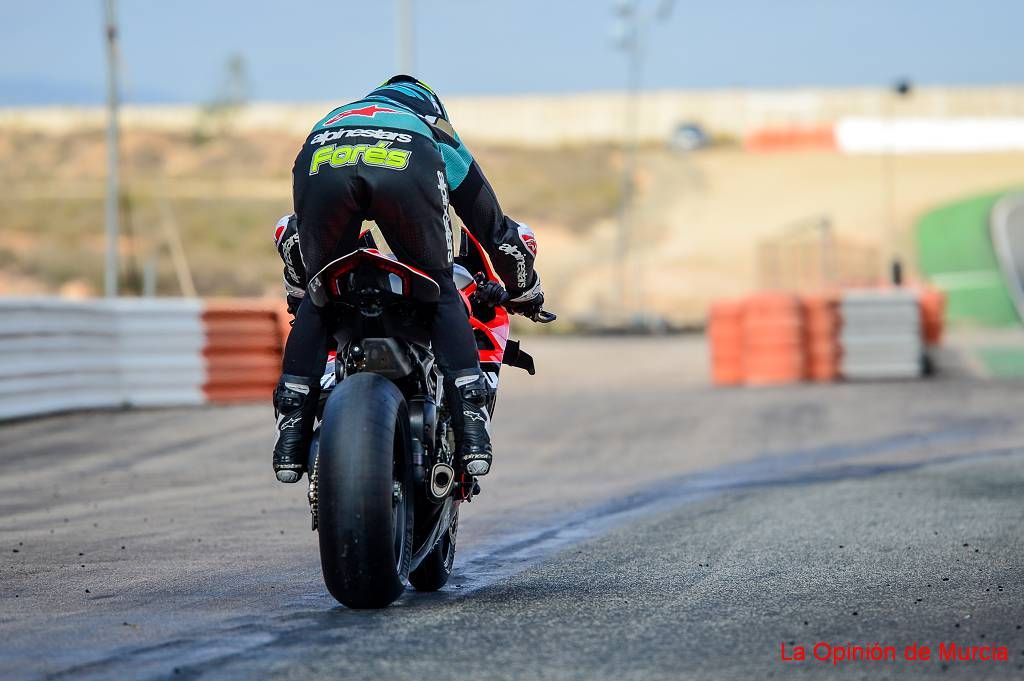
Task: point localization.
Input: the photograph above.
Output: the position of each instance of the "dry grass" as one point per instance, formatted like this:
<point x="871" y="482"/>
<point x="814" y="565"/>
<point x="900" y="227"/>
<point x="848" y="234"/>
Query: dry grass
<point x="225" y="194"/>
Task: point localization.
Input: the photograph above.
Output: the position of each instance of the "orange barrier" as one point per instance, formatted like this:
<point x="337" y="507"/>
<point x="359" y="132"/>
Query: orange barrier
<point x="725" y="335"/>
<point x="793" y="138"/>
<point x="773" y="344"/>
<point x="933" y="312"/>
<point x="821" y="336"/>
<point x="243" y="350"/>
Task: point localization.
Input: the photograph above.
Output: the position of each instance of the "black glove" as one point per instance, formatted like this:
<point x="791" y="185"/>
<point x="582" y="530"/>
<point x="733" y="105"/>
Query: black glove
<point x="529" y="304"/>
<point x="530" y="301"/>
<point x="489" y="293"/>
<point x="530" y="308"/>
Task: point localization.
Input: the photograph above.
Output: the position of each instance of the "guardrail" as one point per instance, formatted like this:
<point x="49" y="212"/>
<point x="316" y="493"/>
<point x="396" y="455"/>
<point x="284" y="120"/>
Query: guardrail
<point x="59" y="355"/>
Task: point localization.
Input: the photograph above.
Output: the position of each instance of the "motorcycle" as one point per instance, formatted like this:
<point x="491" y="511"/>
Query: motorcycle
<point x="385" y="487"/>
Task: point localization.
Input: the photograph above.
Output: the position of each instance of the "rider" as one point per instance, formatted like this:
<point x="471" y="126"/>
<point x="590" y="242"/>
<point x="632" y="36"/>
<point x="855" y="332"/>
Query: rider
<point x="393" y="157"/>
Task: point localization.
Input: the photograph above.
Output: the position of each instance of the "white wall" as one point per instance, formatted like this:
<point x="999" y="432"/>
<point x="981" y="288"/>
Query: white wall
<point x="547" y="120"/>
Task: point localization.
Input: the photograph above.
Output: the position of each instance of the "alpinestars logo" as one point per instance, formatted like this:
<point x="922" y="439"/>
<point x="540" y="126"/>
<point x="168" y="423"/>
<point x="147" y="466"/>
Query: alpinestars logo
<point x="509" y="249"/>
<point x="367" y="111"/>
<point x="284" y="423"/>
<point x="376" y="133"/>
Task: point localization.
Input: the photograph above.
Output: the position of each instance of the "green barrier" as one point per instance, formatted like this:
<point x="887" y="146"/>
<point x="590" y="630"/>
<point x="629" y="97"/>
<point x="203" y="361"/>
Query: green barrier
<point x="955" y="253"/>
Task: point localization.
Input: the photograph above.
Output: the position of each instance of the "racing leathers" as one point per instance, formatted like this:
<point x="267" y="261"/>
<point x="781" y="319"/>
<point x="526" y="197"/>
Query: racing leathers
<point x="394" y="158"/>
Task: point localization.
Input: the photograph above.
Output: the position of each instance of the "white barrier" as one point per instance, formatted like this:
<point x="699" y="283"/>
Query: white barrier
<point x="929" y="135"/>
<point x="55" y="356"/>
<point x="159" y="351"/>
<point x="881" y="334"/>
<point x="58" y="355"/>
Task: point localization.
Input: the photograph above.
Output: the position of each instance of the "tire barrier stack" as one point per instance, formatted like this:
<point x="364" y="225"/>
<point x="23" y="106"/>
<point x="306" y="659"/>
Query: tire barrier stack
<point x="56" y="356"/>
<point x="933" y="311"/>
<point x="821" y="337"/>
<point x="61" y="355"/>
<point x="725" y="334"/>
<point x="243" y="350"/>
<point x="158" y="350"/>
<point x="779" y="338"/>
<point x="773" y="339"/>
<point x="882" y="334"/>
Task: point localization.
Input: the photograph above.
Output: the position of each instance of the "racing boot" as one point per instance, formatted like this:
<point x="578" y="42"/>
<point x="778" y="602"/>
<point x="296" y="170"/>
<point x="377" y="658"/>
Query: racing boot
<point x="295" y="400"/>
<point x="472" y="421"/>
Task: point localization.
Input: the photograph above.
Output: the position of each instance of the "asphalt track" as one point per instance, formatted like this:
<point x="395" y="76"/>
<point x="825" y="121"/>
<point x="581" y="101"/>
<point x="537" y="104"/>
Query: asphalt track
<point x="638" y="525"/>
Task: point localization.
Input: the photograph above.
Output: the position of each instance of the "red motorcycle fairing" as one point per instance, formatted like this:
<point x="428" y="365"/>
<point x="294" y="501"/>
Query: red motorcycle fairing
<point x="491" y="335"/>
<point x="403" y="279"/>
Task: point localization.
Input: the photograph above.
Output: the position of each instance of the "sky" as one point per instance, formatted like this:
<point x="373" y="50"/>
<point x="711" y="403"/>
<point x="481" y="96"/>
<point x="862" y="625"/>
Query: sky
<point x="300" y="50"/>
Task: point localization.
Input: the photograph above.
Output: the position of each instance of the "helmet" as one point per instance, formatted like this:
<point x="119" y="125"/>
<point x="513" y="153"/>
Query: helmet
<point x="412" y="93"/>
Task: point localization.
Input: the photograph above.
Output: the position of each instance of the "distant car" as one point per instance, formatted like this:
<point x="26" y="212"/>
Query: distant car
<point x="689" y="137"/>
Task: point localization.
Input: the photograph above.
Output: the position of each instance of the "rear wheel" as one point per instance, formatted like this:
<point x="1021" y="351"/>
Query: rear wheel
<point x="364" y="492"/>
<point x="436" y="568"/>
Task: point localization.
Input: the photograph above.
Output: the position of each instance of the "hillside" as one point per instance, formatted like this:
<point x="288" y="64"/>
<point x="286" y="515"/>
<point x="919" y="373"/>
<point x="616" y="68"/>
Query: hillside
<point x="698" y="218"/>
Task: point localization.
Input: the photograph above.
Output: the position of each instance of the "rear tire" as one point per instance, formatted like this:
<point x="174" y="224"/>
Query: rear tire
<point x="365" y="492"/>
<point x="436" y="568"/>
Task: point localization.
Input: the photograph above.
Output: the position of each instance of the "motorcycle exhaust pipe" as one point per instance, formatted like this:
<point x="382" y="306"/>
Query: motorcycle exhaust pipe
<point x="442" y="478"/>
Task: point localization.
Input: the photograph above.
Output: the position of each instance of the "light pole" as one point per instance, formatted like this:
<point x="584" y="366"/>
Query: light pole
<point x="113" y="154"/>
<point x="404" y="37"/>
<point x="899" y="90"/>
<point x="628" y="35"/>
